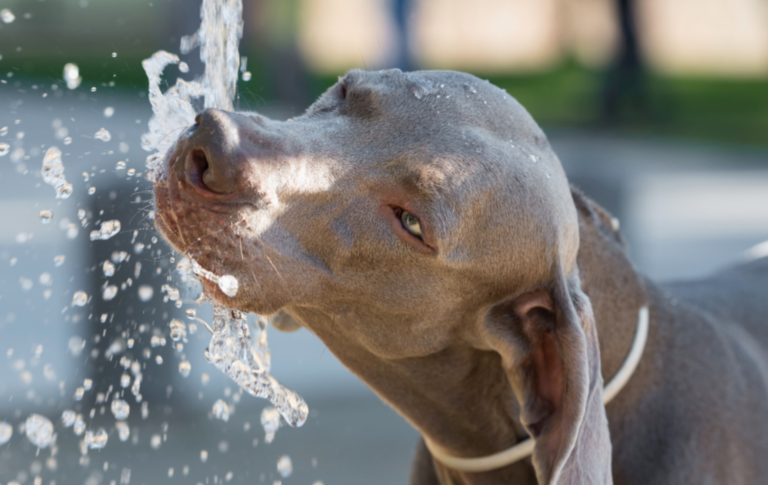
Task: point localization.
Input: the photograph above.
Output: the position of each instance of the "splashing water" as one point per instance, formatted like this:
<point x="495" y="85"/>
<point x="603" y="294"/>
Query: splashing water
<point x="221" y="410"/>
<point x="53" y="173"/>
<point x="218" y="37"/>
<point x="103" y="135"/>
<point x="106" y="231"/>
<point x="39" y="430"/>
<point x="231" y="352"/>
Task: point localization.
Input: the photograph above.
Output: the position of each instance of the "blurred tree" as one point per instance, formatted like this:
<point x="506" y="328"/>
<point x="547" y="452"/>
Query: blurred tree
<point x="624" y="81"/>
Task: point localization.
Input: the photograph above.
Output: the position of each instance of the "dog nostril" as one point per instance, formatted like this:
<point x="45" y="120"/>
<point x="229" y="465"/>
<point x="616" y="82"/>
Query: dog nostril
<point x="199" y="166"/>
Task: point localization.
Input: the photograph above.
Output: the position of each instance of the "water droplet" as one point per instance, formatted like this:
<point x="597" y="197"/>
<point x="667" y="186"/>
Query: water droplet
<point x="107" y="230"/>
<point x="59" y="260"/>
<point x="7" y="16"/>
<point x="284" y="466"/>
<point x="103" y="135"/>
<point x="75" y="345"/>
<point x="120" y="166"/>
<point x="228" y="285"/>
<point x="108" y="268"/>
<point x="6" y="431"/>
<point x="159" y="359"/>
<point x="247" y="76"/>
<point x="178" y="330"/>
<point x="125" y="381"/>
<point x="87" y="384"/>
<point x="203" y="456"/>
<point x="72" y="75"/>
<point x="123" y="430"/>
<point x="68" y="418"/>
<point x="120" y="409"/>
<point x="109" y="292"/>
<point x="146" y="292"/>
<point x="79" y="392"/>
<point x="270" y="421"/>
<point x="125" y="476"/>
<point x="97" y="440"/>
<point x="80" y="298"/>
<point x="185" y="368"/>
<point x="39" y="430"/>
<point x="3" y="130"/>
<point x="4" y="149"/>
<point x="53" y="173"/>
<point x="221" y="410"/>
<point x="183" y="67"/>
<point x="45" y="216"/>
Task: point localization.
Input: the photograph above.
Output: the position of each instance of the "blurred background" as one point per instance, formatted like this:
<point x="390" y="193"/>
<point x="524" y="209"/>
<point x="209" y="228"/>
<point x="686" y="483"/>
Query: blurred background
<point x="657" y="109"/>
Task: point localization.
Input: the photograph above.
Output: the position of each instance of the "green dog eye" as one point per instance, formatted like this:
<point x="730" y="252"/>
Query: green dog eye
<point x="410" y="223"/>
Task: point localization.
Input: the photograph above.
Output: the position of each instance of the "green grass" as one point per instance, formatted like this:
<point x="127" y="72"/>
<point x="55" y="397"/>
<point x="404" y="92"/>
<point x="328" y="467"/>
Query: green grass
<point x="730" y="111"/>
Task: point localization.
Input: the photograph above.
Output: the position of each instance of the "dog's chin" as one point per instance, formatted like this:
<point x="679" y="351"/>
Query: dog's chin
<point x="244" y="300"/>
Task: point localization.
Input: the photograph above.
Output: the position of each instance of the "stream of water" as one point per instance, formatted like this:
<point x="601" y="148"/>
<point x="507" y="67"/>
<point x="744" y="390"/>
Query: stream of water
<point x="241" y="356"/>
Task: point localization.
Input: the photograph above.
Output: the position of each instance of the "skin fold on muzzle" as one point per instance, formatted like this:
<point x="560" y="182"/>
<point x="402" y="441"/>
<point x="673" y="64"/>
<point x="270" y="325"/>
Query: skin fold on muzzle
<point x="422" y="227"/>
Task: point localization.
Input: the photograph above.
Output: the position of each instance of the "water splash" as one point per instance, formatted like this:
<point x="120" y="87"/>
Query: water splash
<point x="106" y="231"/>
<point x="231" y="352"/>
<point x="218" y="37"/>
<point x="39" y="430"/>
<point x="53" y="173"/>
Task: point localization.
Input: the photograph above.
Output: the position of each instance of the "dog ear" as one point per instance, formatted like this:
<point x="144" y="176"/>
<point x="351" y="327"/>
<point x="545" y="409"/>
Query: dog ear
<point x="548" y="343"/>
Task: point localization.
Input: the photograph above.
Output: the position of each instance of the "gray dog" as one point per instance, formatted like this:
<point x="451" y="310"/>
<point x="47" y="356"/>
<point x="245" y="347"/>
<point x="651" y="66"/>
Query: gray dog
<point x="422" y="227"/>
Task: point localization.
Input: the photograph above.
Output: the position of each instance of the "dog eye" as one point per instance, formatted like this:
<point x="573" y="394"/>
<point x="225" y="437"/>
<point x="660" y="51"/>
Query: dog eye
<point x="410" y="223"/>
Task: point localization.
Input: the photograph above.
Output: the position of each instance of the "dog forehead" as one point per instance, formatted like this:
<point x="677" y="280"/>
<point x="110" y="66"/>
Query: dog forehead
<point x="447" y="98"/>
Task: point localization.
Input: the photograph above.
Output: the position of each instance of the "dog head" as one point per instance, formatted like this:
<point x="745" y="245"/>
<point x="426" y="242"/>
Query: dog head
<point x="402" y="214"/>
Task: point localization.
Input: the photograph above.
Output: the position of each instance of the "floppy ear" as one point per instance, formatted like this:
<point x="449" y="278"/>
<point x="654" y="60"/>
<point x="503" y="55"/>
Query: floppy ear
<point x="548" y="343"/>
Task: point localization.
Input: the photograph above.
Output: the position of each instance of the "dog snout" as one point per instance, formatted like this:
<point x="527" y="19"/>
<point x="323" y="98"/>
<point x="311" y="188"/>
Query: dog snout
<point x="211" y="158"/>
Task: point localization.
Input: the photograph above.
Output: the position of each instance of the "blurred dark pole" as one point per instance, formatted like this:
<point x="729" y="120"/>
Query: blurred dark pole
<point x="624" y="81"/>
<point x="402" y="10"/>
<point x="269" y="39"/>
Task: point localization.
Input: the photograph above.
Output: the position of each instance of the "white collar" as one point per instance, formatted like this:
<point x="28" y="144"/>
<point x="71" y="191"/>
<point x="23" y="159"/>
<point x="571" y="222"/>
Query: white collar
<point x="524" y="449"/>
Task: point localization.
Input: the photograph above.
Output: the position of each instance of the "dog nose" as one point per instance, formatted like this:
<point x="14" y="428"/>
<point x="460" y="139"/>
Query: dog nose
<point x="212" y="160"/>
